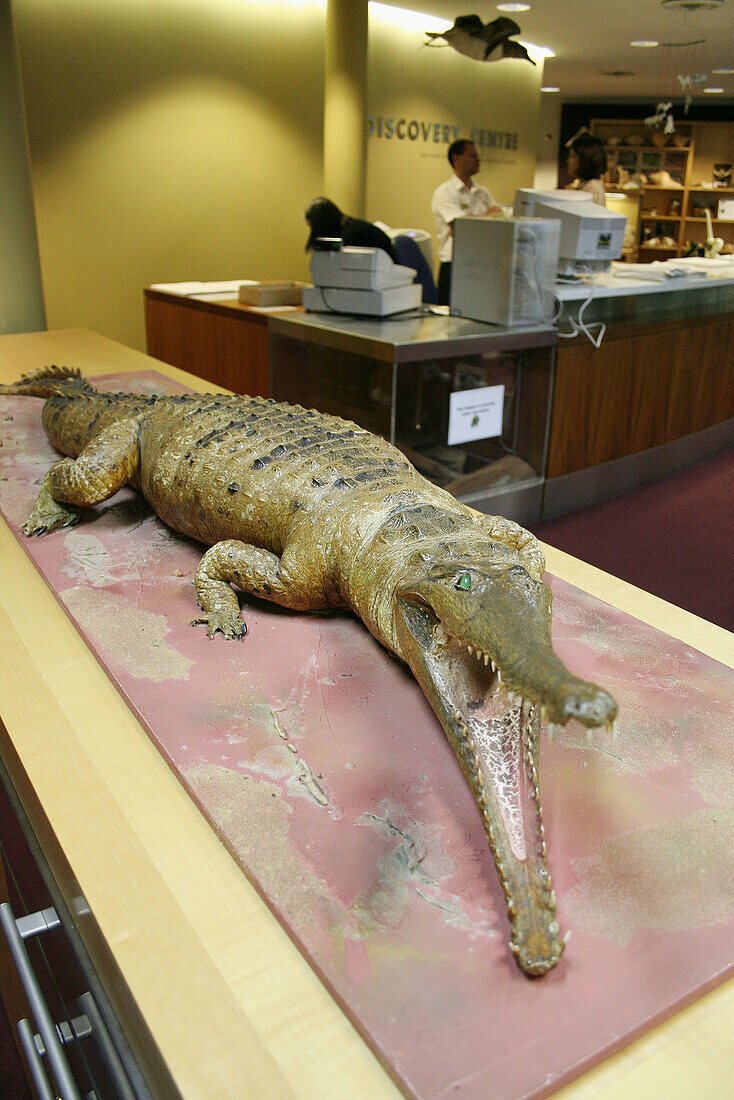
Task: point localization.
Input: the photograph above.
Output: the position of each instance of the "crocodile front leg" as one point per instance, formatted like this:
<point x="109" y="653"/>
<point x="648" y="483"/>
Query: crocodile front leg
<point x="108" y="462"/>
<point x="260" y="573"/>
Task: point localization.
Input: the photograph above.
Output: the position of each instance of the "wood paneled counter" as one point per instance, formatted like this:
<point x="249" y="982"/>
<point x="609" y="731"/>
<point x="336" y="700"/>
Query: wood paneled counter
<point x="213" y="337"/>
<point x="655" y="396"/>
<point x="214" y="998"/>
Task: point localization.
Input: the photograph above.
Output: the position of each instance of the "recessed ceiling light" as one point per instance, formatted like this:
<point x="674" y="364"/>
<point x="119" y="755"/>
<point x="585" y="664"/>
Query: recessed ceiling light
<point x="550" y="89"/>
<point x="645" y="43"/>
<point x="713" y="91"/>
<point x="539" y="52"/>
<point x="513" y="7"/>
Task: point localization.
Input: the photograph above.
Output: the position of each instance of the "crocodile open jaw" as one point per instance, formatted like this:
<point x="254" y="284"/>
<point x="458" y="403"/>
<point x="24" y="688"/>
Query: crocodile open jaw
<point x="489" y="694"/>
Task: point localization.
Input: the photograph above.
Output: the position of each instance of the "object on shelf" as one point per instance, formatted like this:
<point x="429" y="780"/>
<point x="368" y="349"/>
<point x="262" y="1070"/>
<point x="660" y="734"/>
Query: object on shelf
<point x="663" y="179"/>
<point x="714" y="244"/>
<point x="660" y="242"/>
<point x="722" y="175"/>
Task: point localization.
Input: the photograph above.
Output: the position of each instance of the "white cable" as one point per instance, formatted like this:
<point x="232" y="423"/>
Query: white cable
<point x="579" y="325"/>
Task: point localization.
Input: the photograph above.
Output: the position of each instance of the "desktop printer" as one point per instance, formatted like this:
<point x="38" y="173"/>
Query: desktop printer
<point x="348" y="279"/>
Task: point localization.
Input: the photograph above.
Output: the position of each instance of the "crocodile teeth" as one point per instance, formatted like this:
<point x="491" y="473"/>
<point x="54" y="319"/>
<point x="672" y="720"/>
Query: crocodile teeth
<point x="486" y="659"/>
<point x="551" y="730"/>
<point x="567" y="937"/>
<point x="471" y="650"/>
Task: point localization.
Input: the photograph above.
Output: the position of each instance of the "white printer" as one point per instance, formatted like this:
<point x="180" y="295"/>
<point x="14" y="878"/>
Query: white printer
<point x="348" y="279"/>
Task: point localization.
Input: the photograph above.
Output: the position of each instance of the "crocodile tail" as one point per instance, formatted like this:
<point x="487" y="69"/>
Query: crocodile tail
<point x="50" y="382"/>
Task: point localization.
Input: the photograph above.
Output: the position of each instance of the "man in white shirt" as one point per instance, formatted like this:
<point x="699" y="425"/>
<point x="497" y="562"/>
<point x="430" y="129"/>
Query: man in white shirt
<point x="458" y="198"/>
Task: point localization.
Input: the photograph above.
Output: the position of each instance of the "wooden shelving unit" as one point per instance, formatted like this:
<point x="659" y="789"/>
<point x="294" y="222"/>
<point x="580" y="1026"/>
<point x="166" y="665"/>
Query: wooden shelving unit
<point x="666" y="222"/>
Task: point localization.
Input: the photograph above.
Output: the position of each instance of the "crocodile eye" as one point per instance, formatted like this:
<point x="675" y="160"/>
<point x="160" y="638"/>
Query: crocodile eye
<point x="464" y="582"/>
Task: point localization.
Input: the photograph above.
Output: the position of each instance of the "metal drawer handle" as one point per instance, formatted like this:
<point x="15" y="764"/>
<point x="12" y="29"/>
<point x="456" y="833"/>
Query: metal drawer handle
<point x="34" y="1060"/>
<point x="47" y="1030"/>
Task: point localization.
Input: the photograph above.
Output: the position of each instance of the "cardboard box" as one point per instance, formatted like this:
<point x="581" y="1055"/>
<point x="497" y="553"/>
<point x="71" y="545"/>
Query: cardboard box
<point x="271" y="293"/>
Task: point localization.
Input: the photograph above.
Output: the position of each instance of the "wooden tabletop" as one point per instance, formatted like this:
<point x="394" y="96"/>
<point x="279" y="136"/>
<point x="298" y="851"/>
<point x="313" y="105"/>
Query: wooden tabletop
<point x="232" y="1006"/>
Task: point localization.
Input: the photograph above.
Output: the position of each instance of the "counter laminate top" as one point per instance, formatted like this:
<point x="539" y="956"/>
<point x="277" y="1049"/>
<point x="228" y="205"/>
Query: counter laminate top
<point x="610" y="284"/>
<point x="231" y="1005"/>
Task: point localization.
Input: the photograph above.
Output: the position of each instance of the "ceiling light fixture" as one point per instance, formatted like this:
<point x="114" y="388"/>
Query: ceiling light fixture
<point x="713" y="91"/>
<point x="723" y="72"/>
<point x="645" y="43"/>
<point x="513" y="7"/>
<point x="549" y="89"/>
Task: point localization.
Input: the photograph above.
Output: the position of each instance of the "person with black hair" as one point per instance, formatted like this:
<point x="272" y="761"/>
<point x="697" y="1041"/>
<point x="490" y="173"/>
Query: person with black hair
<point x="325" y="219"/>
<point x="458" y="197"/>
<point x="587" y="163"/>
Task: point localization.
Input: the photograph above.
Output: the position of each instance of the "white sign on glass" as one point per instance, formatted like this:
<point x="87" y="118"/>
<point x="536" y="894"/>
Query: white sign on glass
<point x="475" y="414"/>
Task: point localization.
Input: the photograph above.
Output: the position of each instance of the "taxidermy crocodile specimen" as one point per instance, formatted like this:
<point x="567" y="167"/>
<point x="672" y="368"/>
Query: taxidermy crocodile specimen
<point x="312" y="512"/>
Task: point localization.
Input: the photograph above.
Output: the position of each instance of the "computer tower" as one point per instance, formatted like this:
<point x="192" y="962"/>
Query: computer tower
<point x="504" y="269"/>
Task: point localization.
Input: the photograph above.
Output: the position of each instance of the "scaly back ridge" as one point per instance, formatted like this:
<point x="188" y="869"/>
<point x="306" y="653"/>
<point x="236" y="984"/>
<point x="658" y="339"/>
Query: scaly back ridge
<point x="49" y="382"/>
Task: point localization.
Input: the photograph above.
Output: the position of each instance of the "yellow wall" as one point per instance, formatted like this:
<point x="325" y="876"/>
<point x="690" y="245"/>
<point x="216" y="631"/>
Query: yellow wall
<point x="174" y="140"/>
<point x="437" y="85"/>
<point x="170" y="140"/>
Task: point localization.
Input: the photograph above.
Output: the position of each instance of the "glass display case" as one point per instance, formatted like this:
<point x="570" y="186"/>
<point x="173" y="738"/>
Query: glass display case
<point x="467" y="403"/>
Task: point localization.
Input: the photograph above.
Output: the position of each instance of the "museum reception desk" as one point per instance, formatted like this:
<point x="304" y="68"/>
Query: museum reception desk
<point x="210" y="994"/>
<point x="655" y="396"/>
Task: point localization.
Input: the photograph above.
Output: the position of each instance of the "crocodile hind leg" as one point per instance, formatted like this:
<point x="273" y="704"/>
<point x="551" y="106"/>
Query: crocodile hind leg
<point x="108" y="462"/>
<point x="256" y="571"/>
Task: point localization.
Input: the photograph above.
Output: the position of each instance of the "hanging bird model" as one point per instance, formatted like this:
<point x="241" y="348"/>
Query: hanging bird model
<point x="482" y="41"/>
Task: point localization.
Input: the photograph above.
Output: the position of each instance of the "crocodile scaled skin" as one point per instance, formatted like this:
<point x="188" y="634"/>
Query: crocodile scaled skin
<point x="313" y="512"/>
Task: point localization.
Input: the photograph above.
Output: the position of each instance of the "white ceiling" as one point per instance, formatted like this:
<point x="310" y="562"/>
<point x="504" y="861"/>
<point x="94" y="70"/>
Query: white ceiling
<point x="590" y="38"/>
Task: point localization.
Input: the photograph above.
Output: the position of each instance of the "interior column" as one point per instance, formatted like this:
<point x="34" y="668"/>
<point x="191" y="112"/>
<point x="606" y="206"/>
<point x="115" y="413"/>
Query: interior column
<point x="21" y="293"/>
<point x="345" y="104"/>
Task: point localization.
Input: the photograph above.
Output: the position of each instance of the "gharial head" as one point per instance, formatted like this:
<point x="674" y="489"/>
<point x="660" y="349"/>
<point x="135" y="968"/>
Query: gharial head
<point x="478" y="640"/>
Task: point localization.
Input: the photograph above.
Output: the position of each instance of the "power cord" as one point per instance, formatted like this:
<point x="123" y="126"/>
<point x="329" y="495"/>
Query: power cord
<point x="578" y="325"/>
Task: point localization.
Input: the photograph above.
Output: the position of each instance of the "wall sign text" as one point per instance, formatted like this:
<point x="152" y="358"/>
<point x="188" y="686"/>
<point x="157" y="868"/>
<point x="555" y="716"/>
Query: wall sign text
<point x="437" y="133"/>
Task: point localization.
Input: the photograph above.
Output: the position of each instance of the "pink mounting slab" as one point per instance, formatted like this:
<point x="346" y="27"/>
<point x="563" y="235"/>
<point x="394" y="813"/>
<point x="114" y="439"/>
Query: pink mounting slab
<point x="316" y="758"/>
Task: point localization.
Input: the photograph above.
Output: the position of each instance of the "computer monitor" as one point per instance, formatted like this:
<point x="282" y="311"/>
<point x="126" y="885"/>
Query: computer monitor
<point x="591" y="235"/>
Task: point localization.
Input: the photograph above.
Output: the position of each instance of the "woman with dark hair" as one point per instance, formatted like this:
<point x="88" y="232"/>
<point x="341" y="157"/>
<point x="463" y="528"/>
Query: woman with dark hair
<point x="587" y="163"/>
<point x="325" y="219"/>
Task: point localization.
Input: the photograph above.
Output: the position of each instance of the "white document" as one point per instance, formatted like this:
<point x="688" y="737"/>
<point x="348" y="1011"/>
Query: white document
<point x="475" y="414"/>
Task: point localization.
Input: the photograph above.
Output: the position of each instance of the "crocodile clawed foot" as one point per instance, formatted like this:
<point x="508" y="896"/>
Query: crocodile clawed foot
<point x="230" y="626"/>
<point x="49" y="515"/>
<point x="43" y="522"/>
